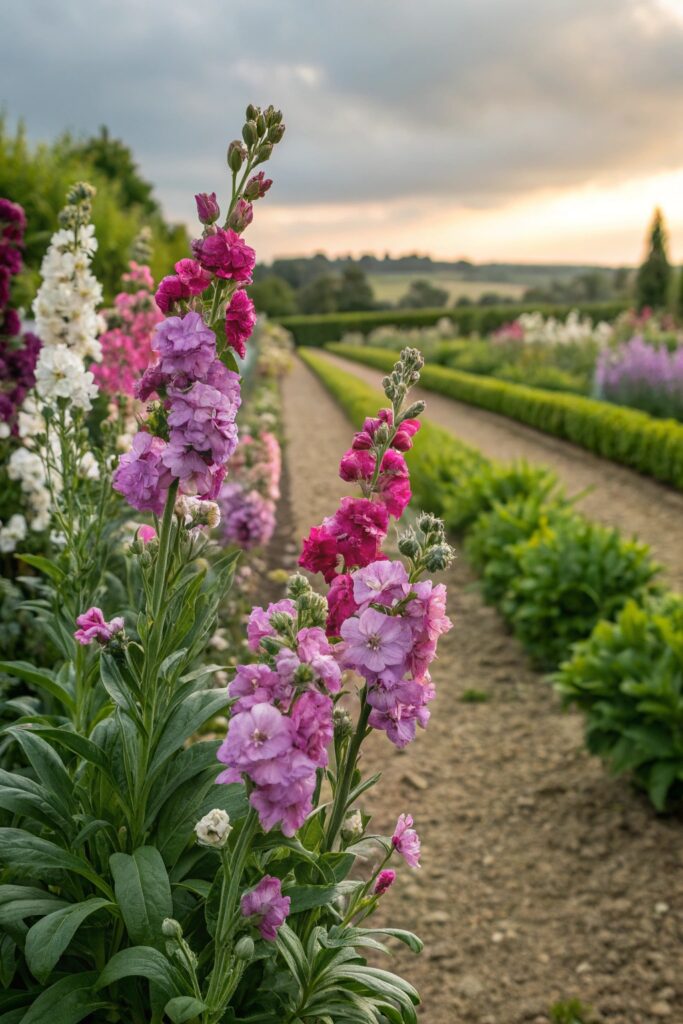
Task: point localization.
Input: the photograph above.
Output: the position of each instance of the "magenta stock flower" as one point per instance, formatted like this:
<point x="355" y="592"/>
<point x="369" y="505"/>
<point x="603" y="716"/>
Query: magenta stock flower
<point x="406" y="841"/>
<point x="185" y="345"/>
<point x="142" y="476"/>
<point x="93" y="626"/>
<point x="257" y="186"/>
<point x="169" y="291"/>
<point x="241" y="215"/>
<point x="267" y="906"/>
<point x="385" y="880"/>
<point x="354" y="533"/>
<point x="240" y="319"/>
<point x="146" y="533"/>
<point x="193" y="276"/>
<point x="225" y="255"/>
<point x="374" y="641"/>
<point x="208" y="209"/>
<point x="341" y="604"/>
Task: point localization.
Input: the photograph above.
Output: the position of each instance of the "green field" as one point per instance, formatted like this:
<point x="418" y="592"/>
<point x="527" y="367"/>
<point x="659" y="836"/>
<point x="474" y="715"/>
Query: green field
<point x="391" y="287"/>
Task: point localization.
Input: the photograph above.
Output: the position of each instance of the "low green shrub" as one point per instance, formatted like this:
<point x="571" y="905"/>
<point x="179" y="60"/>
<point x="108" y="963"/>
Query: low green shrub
<point x="318" y="330"/>
<point x="627" y="678"/>
<point x="490" y="483"/>
<point x="632" y="438"/>
<point x="567" y="576"/>
<point x="551" y="378"/>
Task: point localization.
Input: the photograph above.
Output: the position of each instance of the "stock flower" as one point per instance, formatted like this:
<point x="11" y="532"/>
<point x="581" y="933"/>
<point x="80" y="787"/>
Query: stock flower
<point x="248" y="517"/>
<point x="146" y="533"/>
<point x="208" y="209"/>
<point x="393" y="483"/>
<point x="185" y="345"/>
<point x="169" y="291"/>
<point x="204" y="419"/>
<point x="381" y="582"/>
<point x="213" y="829"/>
<point x="355" y="533"/>
<point x="241" y="215"/>
<point x="193" y="276"/>
<point x="267" y="906"/>
<point x="375" y="641"/>
<point x="385" y="880"/>
<point x="198" y="478"/>
<point x="225" y="255"/>
<point x="341" y="604"/>
<point x="257" y="186"/>
<point x="257" y="736"/>
<point x="312" y="726"/>
<point x="259" y="625"/>
<point x="240" y="319"/>
<point x="12" y="532"/>
<point x="59" y="374"/>
<point x="406" y="841"/>
<point x="141" y="476"/>
<point x="357" y="464"/>
<point x="289" y="803"/>
<point x="257" y="684"/>
<point x="93" y="626"/>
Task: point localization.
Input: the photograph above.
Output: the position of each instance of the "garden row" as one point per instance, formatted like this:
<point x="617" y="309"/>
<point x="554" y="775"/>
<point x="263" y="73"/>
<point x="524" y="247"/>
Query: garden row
<point x="582" y="600"/>
<point x="627" y="436"/>
<point x="318" y="330"/>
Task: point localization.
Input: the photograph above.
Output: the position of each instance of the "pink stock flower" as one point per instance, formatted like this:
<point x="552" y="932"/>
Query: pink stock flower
<point x="385" y="880"/>
<point x="340" y="603"/>
<point x="257" y="684"/>
<point x="194" y="278"/>
<point x="406" y="841"/>
<point x="259" y="625"/>
<point x="357" y="464"/>
<point x="142" y="476"/>
<point x="198" y="478"/>
<point x="267" y="906"/>
<point x="393" y="483"/>
<point x="146" y="533"/>
<point x="257" y="186"/>
<point x="185" y="345"/>
<point x="374" y="641"/>
<point x="225" y="255"/>
<point x="93" y="626"/>
<point x="247" y="518"/>
<point x="403" y="438"/>
<point x="320" y="552"/>
<point x="381" y="582"/>
<point x="169" y="291"/>
<point x="257" y="737"/>
<point x="240" y="319"/>
<point x="312" y="726"/>
<point x="241" y="215"/>
<point x="208" y="209"/>
<point x="289" y="803"/>
<point x="355" y="533"/>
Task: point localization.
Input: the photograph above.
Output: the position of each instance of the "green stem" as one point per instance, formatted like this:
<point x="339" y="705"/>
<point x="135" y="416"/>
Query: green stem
<point x="164" y="548"/>
<point x="343" y="789"/>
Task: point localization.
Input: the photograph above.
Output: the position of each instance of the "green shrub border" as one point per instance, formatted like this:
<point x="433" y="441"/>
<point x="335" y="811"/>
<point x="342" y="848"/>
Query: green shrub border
<point x="632" y="438"/>
<point x="317" y="330"/>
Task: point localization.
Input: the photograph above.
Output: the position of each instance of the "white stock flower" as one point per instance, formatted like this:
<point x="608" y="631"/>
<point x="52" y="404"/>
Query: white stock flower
<point x="12" y="532"/>
<point x="60" y="374"/>
<point x="213" y="829"/>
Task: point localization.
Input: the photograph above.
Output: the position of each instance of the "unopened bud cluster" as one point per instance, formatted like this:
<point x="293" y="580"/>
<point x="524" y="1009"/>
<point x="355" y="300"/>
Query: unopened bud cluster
<point x="426" y="545"/>
<point x="78" y="210"/>
<point x="262" y="130"/>
<point x="405" y="374"/>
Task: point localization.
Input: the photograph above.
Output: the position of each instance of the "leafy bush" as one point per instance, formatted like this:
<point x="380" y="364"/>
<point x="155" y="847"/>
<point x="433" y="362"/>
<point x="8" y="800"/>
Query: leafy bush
<point x="627" y="678"/>
<point x="489" y="484"/>
<point x="552" y="378"/>
<point x="318" y="330"/>
<point x="567" y="576"/>
<point x="632" y="438"/>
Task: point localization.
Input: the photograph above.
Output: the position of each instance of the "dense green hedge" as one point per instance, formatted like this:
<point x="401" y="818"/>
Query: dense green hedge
<point x="632" y="438"/>
<point x="570" y="589"/>
<point x="320" y="329"/>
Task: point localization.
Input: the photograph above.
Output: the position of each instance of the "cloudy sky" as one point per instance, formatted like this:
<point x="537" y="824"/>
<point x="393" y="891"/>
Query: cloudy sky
<point x="489" y="129"/>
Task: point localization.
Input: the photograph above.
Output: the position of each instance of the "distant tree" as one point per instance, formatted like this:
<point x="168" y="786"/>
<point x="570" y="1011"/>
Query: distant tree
<point x="654" y="275"/>
<point x="463" y="300"/>
<point x="492" y="299"/>
<point x="622" y="280"/>
<point x="273" y="296"/>
<point x="115" y="160"/>
<point x="423" y="295"/>
<point x="355" y="291"/>
<point x="320" y="296"/>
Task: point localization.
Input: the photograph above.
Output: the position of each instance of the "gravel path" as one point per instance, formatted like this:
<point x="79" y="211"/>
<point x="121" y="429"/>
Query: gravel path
<point x="542" y="878"/>
<point x="618" y="497"/>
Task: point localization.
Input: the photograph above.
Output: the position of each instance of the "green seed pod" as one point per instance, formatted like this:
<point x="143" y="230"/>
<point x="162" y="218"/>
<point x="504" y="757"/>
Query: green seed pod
<point x="250" y="133"/>
<point x="244" y="948"/>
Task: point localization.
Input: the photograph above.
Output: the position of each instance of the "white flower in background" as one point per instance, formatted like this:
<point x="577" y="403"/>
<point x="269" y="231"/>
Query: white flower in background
<point x="60" y="374"/>
<point x="12" y="533"/>
<point x="27" y="468"/>
<point x="4" y="430"/>
<point x="197" y="511"/>
<point x="213" y="829"/>
<point x="88" y="468"/>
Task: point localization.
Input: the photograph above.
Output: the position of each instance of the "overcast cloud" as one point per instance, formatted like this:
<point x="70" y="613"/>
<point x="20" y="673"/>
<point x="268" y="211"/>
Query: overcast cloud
<point x="478" y="102"/>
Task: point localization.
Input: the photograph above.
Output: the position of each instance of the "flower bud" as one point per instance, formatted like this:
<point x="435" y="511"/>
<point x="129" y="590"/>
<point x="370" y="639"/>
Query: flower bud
<point x="298" y="586"/>
<point x="413" y="411"/>
<point x="343" y="724"/>
<point x="237" y="154"/>
<point x="241" y="215"/>
<point x="244" y="948"/>
<point x="257" y="186"/>
<point x="352" y="829"/>
<point x="208" y="209"/>
<point x="250" y="133"/>
<point x="282" y="622"/>
<point x="170" y="928"/>
<point x="263" y="152"/>
<point x="213" y="829"/>
<point x="408" y="545"/>
<point x="252" y="112"/>
<point x="275" y="133"/>
<point x="385" y="880"/>
<point x="303" y="674"/>
<point x="439" y="557"/>
<point x="261" y="124"/>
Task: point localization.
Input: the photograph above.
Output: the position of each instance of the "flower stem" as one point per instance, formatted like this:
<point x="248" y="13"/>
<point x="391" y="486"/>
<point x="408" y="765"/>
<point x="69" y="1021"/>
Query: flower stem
<point x="343" y="789"/>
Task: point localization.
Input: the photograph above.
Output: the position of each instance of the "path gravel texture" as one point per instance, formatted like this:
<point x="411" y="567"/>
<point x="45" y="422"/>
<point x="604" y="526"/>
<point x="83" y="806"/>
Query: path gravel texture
<point x="616" y="496"/>
<point x="543" y="878"/>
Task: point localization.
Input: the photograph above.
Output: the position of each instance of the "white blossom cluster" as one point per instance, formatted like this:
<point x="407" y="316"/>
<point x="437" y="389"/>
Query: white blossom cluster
<point x="68" y="325"/>
<point x="12" y="532"/>
<point x="552" y="331"/>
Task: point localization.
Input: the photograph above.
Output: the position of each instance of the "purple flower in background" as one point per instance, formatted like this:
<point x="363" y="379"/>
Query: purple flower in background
<point x="267" y="906"/>
<point x="142" y="476"/>
<point x="93" y="626"/>
<point x="643" y="376"/>
<point x="248" y="519"/>
<point x="185" y="345"/>
<point x="406" y="841"/>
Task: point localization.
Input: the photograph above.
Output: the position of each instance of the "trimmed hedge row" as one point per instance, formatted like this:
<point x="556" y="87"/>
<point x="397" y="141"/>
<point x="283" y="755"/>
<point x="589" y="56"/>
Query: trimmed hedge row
<point x="317" y="330"/>
<point x="633" y="438"/>
<point x="569" y="588"/>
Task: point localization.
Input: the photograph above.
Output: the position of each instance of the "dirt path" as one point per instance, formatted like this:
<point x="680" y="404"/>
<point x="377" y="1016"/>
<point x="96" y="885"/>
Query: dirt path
<point x="542" y="877"/>
<point x="618" y="497"/>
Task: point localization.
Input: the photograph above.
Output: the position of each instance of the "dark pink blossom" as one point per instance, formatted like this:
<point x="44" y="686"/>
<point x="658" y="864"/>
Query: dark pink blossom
<point x="169" y="291"/>
<point x="225" y="255"/>
<point x="193" y="276"/>
<point x="208" y="209"/>
<point x="385" y="880"/>
<point x="340" y="603"/>
<point x="93" y="626"/>
<point x="266" y="905"/>
<point x="240" y="318"/>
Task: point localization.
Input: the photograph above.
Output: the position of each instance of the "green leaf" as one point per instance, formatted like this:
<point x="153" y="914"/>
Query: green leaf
<point x="228" y="360"/>
<point x="68" y="1001"/>
<point x="49" y="937"/>
<point x="8" y="963"/>
<point x="143" y="892"/>
<point x="183" y="1008"/>
<point x="304" y="897"/>
<point x="40" y="678"/>
<point x="44" y="565"/>
<point x="48" y="766"/>
<point x="35" y="856"/>
<point x="141" y="962"/>
<point x="114" y="683"/>
<point x="197" y="709"/>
